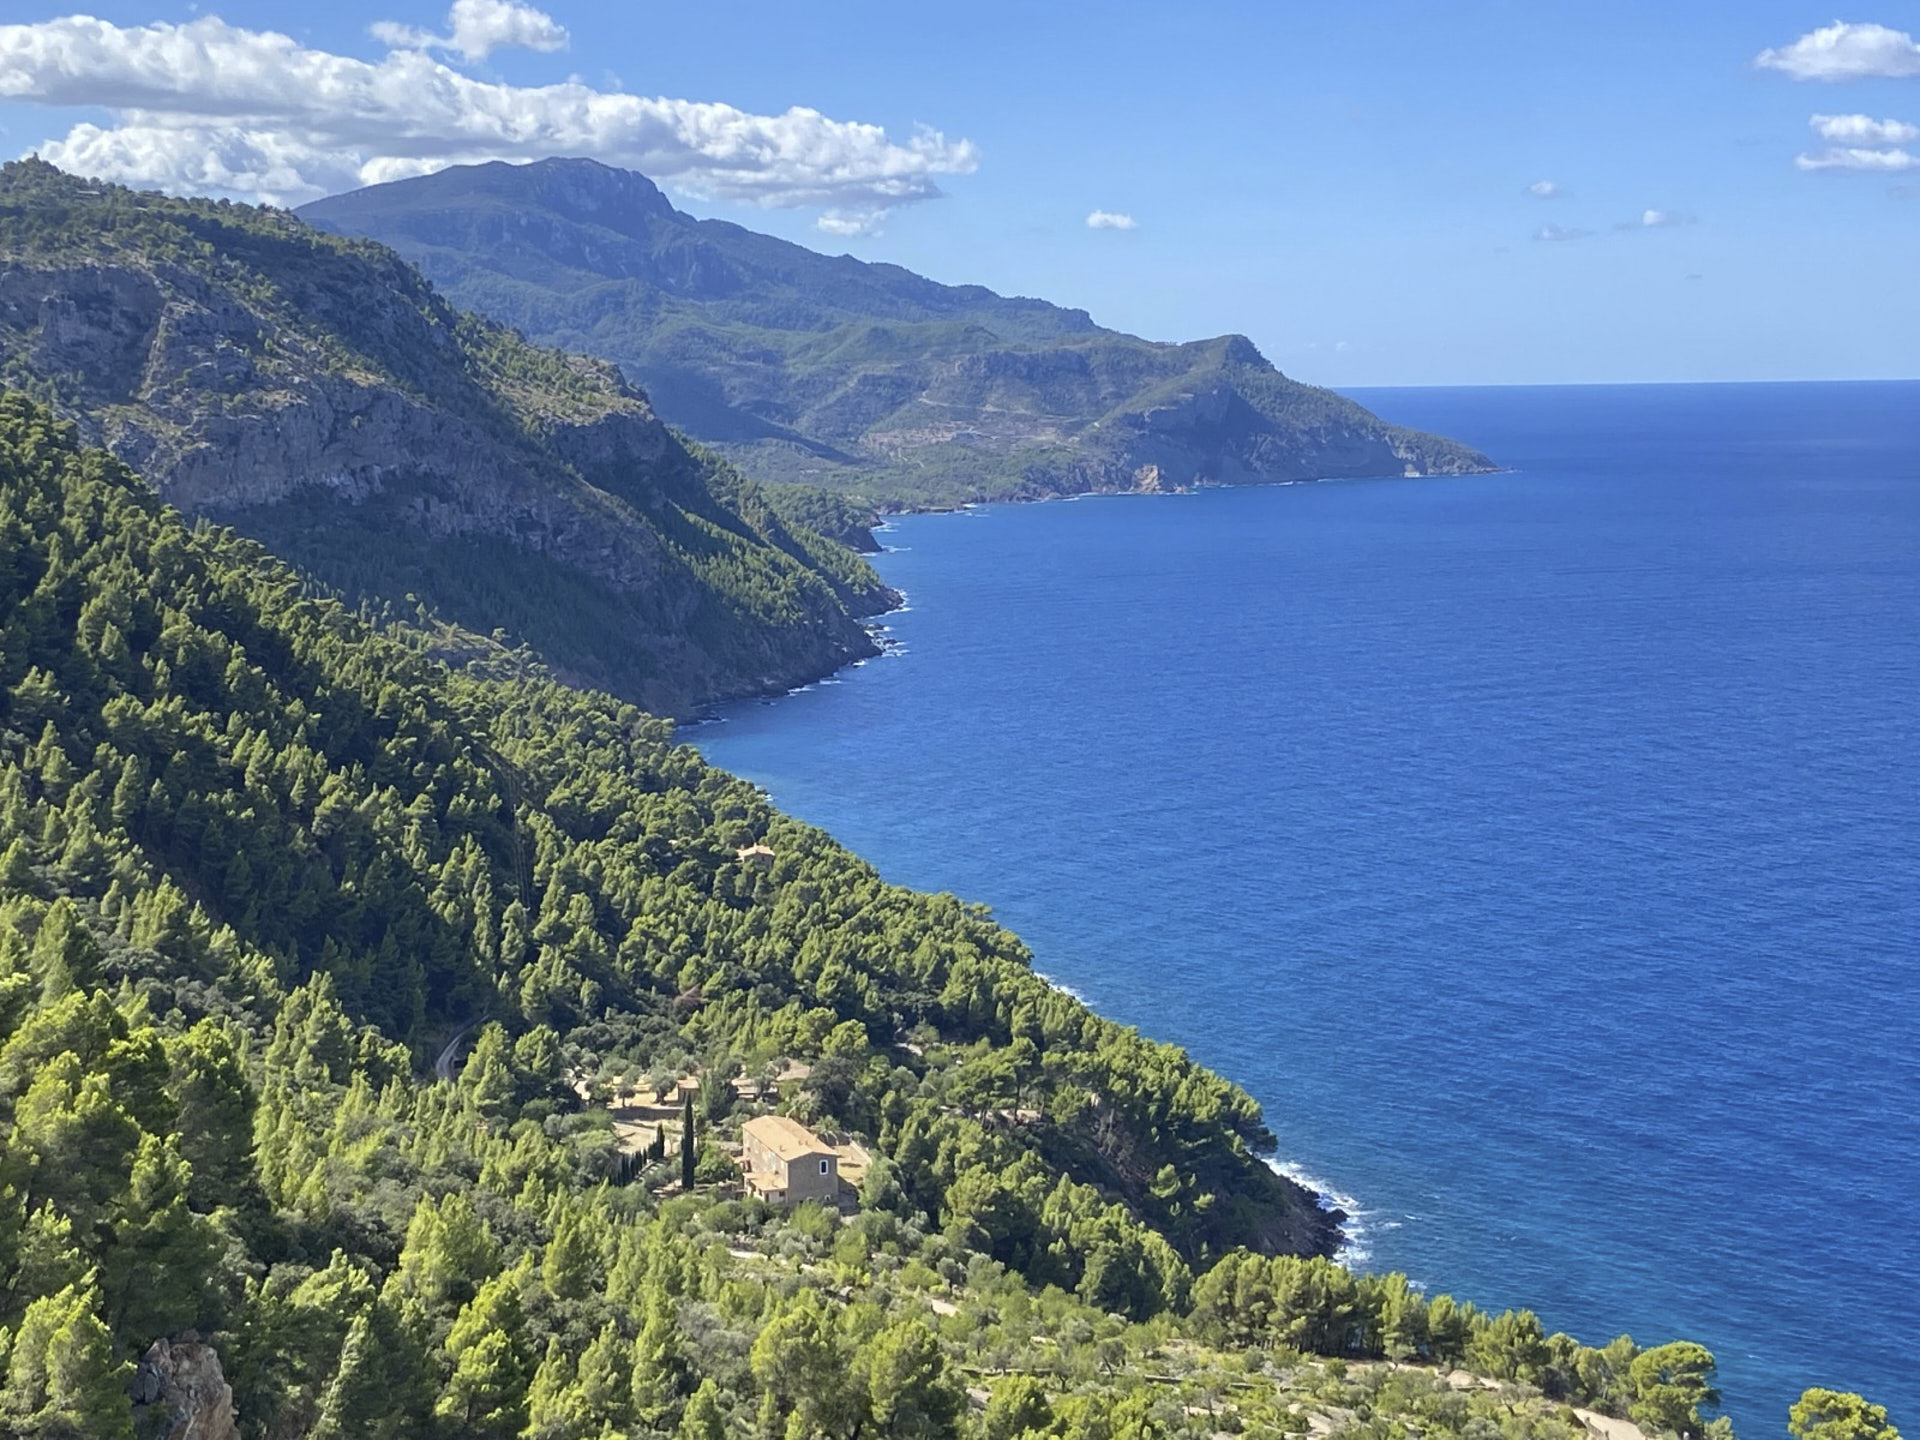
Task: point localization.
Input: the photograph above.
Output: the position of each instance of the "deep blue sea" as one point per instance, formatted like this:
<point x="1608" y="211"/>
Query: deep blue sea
<point x="1541" y="849"/>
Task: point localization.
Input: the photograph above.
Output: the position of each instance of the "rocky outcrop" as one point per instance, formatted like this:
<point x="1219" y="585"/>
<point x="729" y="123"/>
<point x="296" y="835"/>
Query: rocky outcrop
<point x="179" y="1393"/>
<point x="319" y="396"/>
<point x="186" y="387"/>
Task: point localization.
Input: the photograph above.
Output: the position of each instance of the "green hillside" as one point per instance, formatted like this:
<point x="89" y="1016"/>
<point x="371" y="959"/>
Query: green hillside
<point x="317" y="394"/>
<point x="261" y="866"/>
<point x="867" y="378"/>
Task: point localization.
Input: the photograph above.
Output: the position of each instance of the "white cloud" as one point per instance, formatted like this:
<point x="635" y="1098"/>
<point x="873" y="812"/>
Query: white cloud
<point x="1543" y="189"/>
<point x="1658" y="220"/>
<point x="1841" y="51"/>
<point x="1879" y="162"/>
<point x="1863" y="130"/>
<point x="477" y="28"/>
<point x="1558" y="233"/>
<point x="208" y="106"/>
<point x="1111" y="220"/>
<point x="850" y="222"/>
<point x="230" y="160"/>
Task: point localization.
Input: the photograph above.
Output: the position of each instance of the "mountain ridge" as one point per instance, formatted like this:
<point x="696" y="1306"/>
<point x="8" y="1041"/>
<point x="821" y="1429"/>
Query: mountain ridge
<point x="319" y="395"/>
<point x="863" y="376"/>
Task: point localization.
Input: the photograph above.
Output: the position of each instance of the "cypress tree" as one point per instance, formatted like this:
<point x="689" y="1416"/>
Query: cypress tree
<point x="686" y="1147"/>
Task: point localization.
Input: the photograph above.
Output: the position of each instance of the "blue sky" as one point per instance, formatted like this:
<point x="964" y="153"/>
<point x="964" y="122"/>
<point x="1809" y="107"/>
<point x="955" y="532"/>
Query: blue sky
<point x="1348" y="185"/>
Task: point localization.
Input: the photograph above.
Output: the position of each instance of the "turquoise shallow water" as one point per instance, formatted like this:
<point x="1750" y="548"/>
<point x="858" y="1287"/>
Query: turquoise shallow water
<point x="1539" y="848"/>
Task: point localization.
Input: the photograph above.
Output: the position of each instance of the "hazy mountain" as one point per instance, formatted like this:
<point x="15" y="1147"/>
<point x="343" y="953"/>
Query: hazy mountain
<point x="859" y="376"/>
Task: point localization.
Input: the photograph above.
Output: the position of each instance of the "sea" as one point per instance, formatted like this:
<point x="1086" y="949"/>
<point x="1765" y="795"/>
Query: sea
<point x="1541" y="849"/>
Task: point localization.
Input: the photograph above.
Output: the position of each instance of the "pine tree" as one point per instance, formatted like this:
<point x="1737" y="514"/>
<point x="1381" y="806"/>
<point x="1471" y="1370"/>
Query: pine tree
<point x="65" y="953"/>
<point x="704" y="1419"/>
<point x="486" y="1395"/>
<point x="909" y="1392"/>
<point x="1838" y="1415"/>
<point x="568" y="1266"/>
<point x="208" y="1082"/>
<point x="63" y="1382"/>
<point x="48" y="1261"/>
<point x="449" y="1251"/>
<point x="602" y="1395"/>
<point x="157" y="1274"/>
<point x="659" y="1368"/>
<point x="380" y="1389"/>
<point x="549" y="1412"/>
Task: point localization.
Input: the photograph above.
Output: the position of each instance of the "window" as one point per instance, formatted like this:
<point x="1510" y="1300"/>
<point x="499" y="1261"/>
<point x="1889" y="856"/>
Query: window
<point x="826" y="1166"/>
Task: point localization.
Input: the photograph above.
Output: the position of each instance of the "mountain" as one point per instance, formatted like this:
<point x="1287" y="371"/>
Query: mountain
<point x="859" y="376"/>
<point x="317" y="394"/>
<point x="326" y="972"/>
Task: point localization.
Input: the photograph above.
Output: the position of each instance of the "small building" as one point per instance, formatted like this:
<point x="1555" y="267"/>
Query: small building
<point x="760" y="857"/>
<point x="786" y="1163"/>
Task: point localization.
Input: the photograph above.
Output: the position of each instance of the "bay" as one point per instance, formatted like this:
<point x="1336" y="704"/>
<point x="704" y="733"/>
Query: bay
<point x="1539" y="848"/>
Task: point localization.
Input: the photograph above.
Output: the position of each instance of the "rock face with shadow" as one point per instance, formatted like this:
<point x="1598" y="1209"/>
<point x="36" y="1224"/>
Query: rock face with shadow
<point x="180" y="1393"/>
<point x="319" y="395"/>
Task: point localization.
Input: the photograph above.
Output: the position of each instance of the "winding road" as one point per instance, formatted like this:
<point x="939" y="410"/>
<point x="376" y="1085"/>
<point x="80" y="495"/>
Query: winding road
<point x="450" y="1052"/>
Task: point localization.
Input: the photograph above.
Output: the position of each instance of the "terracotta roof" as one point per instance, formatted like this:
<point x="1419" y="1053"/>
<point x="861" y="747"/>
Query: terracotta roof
<point x="788" y="1139"/>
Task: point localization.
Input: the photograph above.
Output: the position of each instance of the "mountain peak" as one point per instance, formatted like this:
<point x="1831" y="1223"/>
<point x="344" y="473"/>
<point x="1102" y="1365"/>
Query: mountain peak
<point x="589" y="188"/>
<point x="579" y="188"/>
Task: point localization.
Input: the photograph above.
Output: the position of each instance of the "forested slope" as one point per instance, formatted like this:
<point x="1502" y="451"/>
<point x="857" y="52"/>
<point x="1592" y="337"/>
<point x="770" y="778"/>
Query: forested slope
<point x="318" y="395"/>
<point x="258" y="861"/>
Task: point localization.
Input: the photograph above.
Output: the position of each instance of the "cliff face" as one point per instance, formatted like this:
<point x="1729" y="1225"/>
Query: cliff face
<point x="179" y="1392"/>
<point x="863" y="377"/>
<point x="317" y="395"/>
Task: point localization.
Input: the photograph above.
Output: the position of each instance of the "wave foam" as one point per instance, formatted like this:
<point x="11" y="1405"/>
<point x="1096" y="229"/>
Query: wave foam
<point x="1063" y="989"/>
<point x="1355" y="1248"/>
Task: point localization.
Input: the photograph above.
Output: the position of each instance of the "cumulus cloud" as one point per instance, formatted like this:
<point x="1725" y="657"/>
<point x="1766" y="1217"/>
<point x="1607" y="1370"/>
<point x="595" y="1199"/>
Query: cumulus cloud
<point x="1877" y="162"/>
<point x="1842" y="51"/>
<point x="1860" y="142"/>
<point x="477" y="28"/>
<point x="1658" y="220"/>
<point x="1863" y="130"/>
<point x="1558" y="233"/>
<point x="1543" y="189"/>
<point x="1111" y="220"/>
<point x="208" y="106"/>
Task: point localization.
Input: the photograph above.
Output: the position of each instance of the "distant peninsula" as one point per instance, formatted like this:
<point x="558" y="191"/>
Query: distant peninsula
<point x="863" y="378"/>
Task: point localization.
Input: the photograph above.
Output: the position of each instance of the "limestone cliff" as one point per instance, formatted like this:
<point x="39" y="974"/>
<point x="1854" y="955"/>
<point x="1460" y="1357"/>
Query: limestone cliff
<point x="318" y="395"/>
<point x="180" y="1393"/>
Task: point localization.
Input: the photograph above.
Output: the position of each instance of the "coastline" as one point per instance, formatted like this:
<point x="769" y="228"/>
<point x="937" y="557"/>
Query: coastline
<point x="1330" y="1225"/>
<point x="701" y="711"/>
<point x="886" y="509"/>
<point x="1505" y="1216"/>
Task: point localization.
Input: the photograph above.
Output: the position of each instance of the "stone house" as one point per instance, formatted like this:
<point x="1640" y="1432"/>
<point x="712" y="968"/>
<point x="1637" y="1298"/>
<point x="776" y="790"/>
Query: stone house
<point x="785" y="1162"/>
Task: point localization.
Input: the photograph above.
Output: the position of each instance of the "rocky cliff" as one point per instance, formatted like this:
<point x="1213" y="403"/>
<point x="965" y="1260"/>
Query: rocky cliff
<point x="180" y="1393"/>
<point x="866" y="378"/>
<point x="318" y="395"/>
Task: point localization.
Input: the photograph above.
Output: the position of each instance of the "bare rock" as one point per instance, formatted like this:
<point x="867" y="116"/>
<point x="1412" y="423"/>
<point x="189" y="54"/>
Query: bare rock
<point x="179" y="1385"/>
